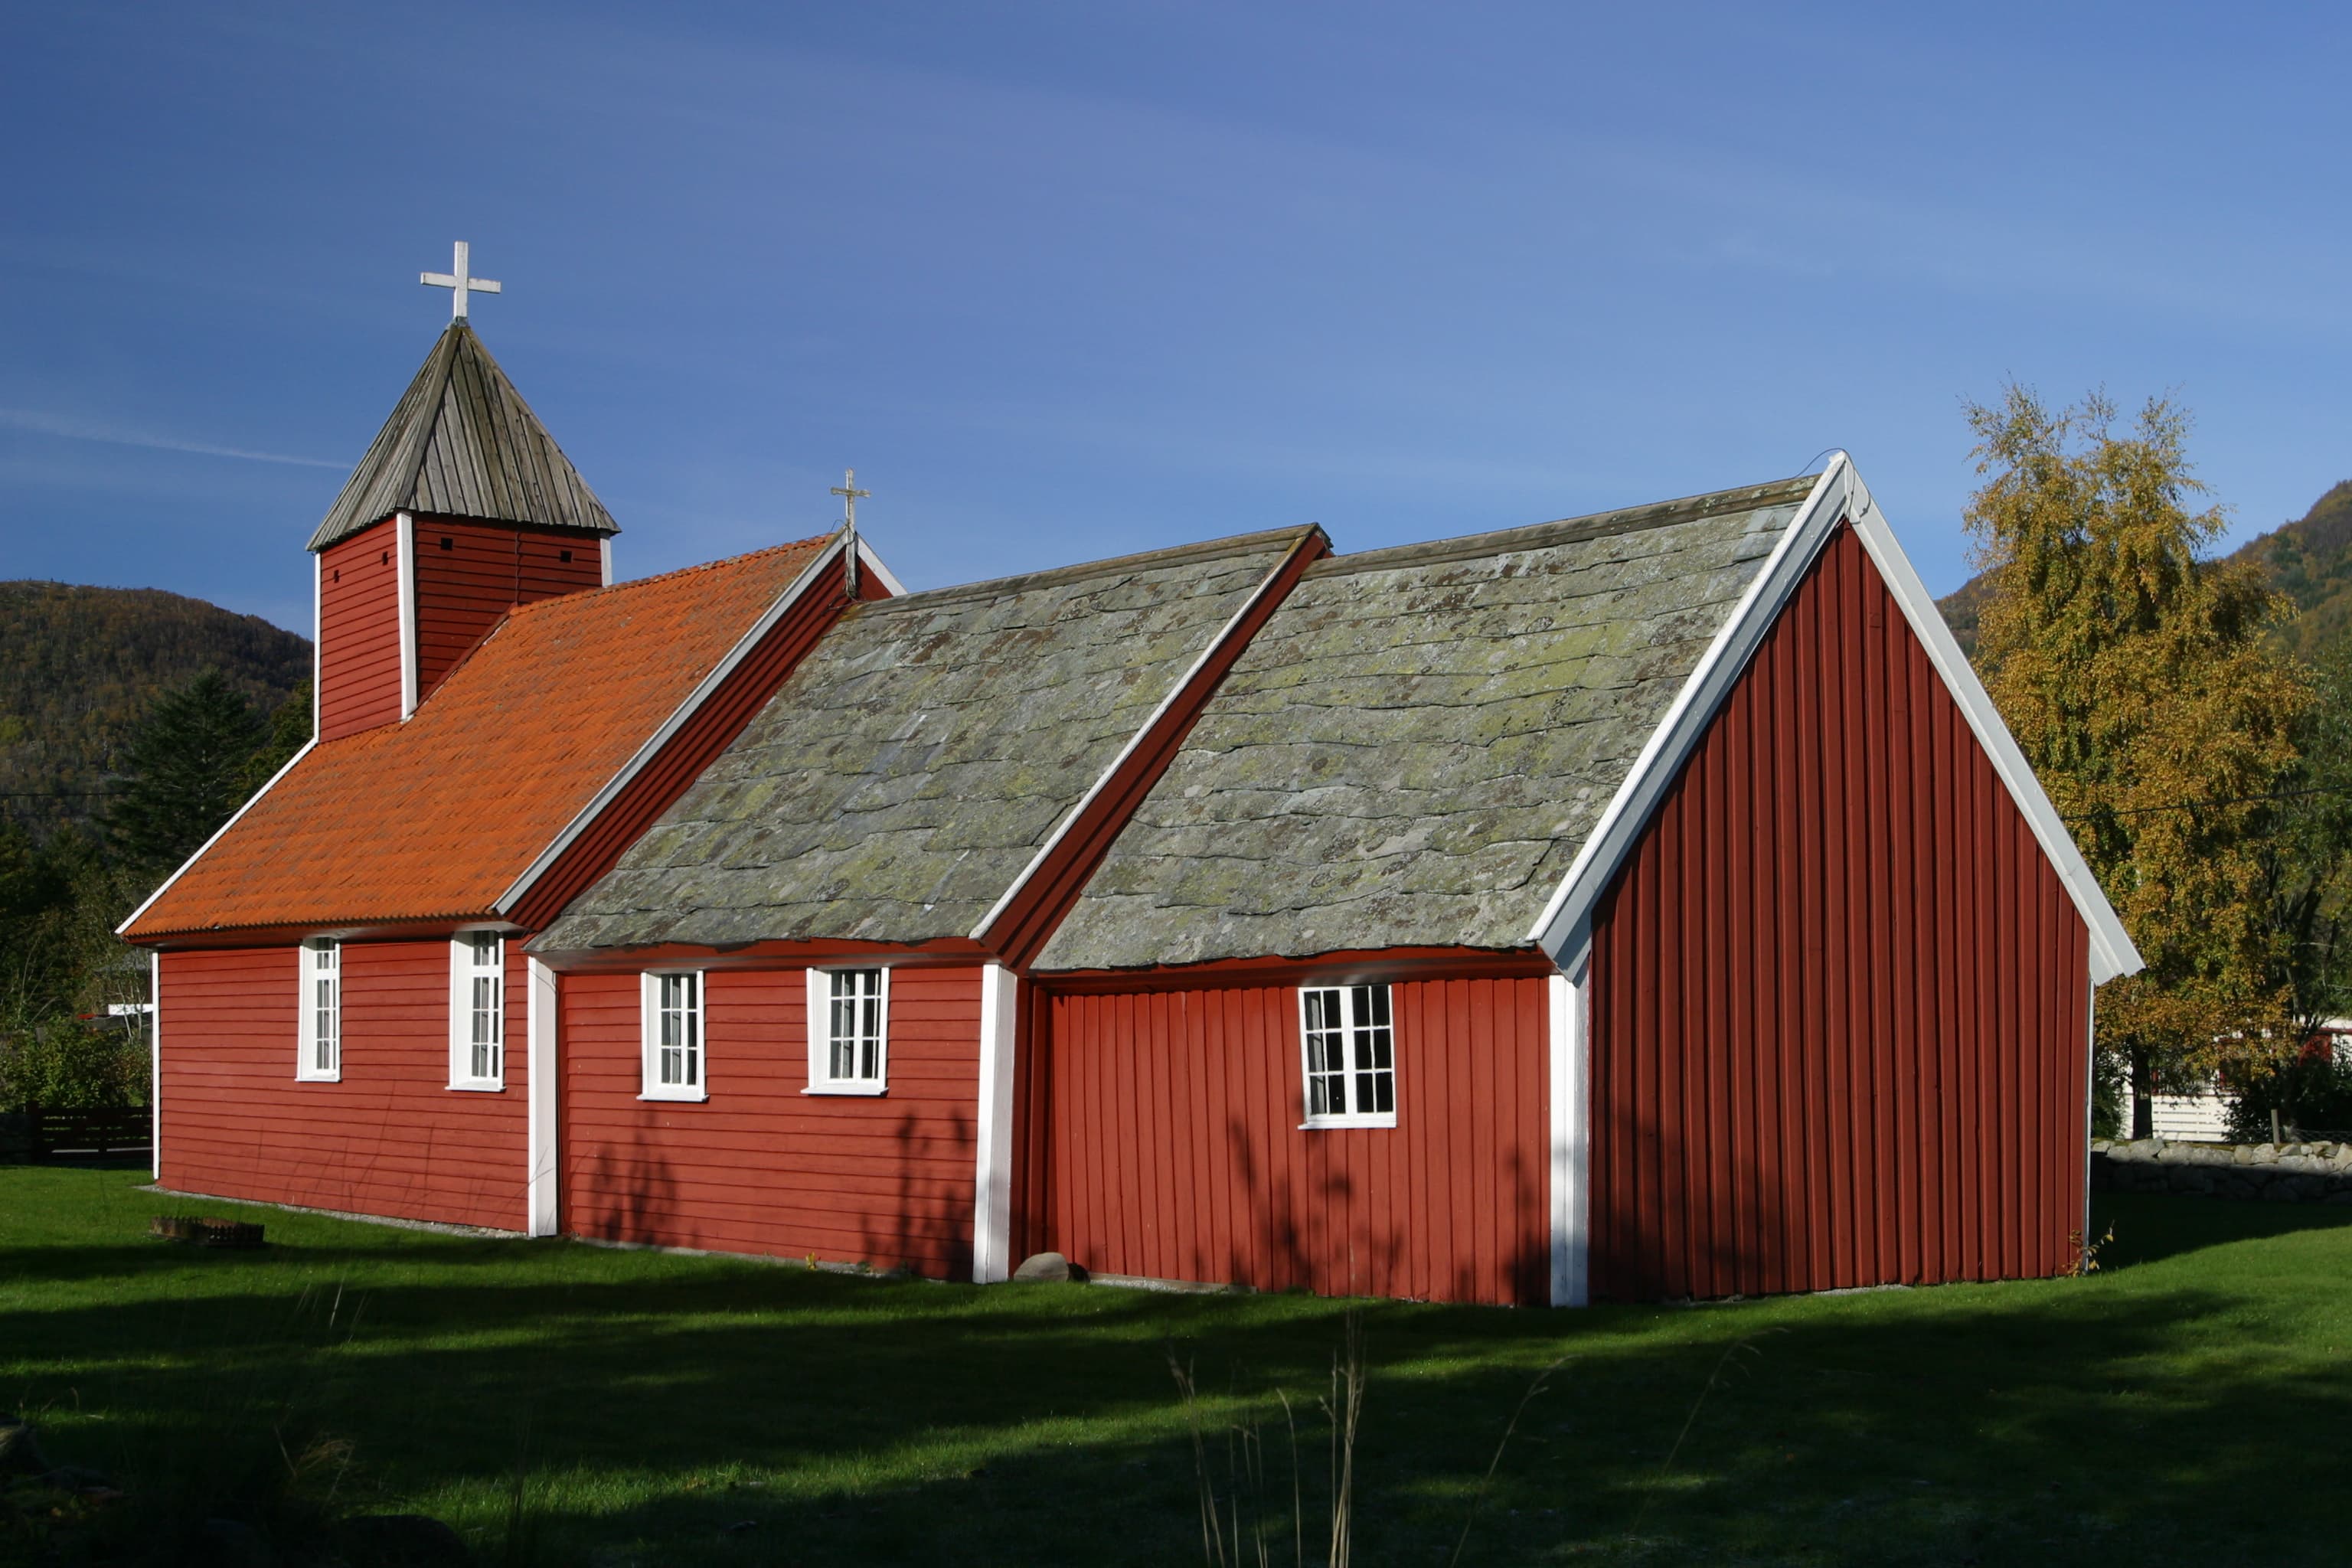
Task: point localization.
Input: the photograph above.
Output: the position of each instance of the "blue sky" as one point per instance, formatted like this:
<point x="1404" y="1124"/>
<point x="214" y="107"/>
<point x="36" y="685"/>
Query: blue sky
<point x="1063" y="281"/>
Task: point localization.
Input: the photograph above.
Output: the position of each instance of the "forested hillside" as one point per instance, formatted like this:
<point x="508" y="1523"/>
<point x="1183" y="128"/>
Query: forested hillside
<point x="2308" y="560"/>
<point x="78" y="667"/>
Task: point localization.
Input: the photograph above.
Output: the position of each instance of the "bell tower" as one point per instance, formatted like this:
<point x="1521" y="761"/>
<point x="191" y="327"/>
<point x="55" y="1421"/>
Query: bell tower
<point x="463" y="508"/>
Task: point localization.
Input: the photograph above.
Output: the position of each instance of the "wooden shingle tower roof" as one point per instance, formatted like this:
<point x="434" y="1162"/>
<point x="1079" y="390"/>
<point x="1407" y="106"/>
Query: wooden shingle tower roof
<point x="463" y="442"/>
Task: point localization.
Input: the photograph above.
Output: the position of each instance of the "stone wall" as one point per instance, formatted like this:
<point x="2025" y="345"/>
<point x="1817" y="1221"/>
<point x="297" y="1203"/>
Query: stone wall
<point x="2274" y="1172"/>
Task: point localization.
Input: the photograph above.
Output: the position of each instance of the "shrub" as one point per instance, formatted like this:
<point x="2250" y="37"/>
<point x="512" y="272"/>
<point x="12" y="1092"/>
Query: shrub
<point x="2311" y="1095"/>
<point x="68" y="1066"/>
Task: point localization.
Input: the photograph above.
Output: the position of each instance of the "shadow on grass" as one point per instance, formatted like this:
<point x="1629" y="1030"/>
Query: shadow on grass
<point x="2152" y="1226"/>
<point x="678" y="1410"/>
<point x="138" y="1163"/>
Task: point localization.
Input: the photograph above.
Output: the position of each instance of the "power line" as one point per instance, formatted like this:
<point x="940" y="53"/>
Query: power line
<point x="2203" y="804"/>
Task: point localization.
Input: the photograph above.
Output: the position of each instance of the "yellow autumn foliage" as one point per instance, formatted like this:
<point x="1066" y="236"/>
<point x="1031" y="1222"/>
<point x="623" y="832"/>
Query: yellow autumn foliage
<point x="2134" y="671"/>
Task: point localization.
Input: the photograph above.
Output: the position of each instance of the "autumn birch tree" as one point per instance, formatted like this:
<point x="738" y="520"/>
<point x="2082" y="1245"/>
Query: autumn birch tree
<point x="2133" y="672"/>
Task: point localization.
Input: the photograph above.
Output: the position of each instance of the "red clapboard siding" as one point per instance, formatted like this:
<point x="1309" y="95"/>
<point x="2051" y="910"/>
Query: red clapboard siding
<point x="1838" y="994"/>
<point x="485" y="570"/>
<point x="761" y="1166"/>
<point x="391" y="1138"/>
<point x="721" y="717"/>
<point x="1163" y="1139"/>
<point x="359" y="633"/>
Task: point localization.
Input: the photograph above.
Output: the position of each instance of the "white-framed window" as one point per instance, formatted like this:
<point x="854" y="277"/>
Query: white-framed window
<point x="673" y="1035"/>
<point x="848" y="1031"/>
<point x="319" y="1056"/>
<point x="478" y="1010"/>
<point x="1350" y="1048"/>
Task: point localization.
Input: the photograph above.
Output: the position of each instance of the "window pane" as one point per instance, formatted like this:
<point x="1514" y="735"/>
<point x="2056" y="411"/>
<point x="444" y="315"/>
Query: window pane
<point x="1326" y="1064"/>
<point x="326" y="1004"/>
<point x="1373" y="1049"/>
<point x="1322" y="1011"/>
<point x="853" y="1025"/>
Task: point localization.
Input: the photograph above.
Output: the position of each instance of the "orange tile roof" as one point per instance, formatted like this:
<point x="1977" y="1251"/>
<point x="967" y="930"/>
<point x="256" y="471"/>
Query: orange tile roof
<point x="434" y="818"/>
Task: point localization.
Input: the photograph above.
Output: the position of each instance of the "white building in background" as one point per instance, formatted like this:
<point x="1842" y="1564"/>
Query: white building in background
<point x="2203" y="1117"/>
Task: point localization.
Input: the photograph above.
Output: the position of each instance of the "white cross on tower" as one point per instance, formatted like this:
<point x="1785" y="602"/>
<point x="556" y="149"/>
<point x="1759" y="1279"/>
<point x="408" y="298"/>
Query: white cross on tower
<point x="849" y="493"/>
<point x="458" y="283"/>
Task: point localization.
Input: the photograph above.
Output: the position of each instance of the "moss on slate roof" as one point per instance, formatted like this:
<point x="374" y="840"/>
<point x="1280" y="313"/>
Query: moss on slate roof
<point x="1415" y="747"/>
<point x="921" y="755"/>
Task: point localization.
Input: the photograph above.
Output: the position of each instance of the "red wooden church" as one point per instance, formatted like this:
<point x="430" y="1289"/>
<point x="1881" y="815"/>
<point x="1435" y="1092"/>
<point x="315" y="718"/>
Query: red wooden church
<point x="1645" y="905"/>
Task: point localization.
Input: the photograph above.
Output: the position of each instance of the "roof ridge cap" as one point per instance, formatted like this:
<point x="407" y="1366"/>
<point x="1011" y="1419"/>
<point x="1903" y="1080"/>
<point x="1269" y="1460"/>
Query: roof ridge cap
<point x="1569" y="529"/>
<point x="1021" y="581"/>
<point x="582" y="595"/>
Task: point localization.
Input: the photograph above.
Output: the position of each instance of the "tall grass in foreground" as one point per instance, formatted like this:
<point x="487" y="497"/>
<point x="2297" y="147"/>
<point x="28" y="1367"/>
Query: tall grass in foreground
<point x="1245" y="1500"/>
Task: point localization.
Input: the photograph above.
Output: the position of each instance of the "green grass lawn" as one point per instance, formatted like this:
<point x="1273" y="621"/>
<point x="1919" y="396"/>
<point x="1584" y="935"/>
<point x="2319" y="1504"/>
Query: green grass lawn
<point x="2188" y="1401"/>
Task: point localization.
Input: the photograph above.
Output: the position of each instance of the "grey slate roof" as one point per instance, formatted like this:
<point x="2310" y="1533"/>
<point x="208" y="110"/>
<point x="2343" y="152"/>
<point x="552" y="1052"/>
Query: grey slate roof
<point x="461" y="442"/>
<point x="1415" y="747"/>
<point x="920" y="756"/>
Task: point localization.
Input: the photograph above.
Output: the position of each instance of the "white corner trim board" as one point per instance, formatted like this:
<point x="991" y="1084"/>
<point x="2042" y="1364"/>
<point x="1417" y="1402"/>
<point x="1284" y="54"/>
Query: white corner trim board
<point x="1572" y="1141"/>
<point x="539" y="1082"/>
<point x="605" y="559"/>
<point x="1837" y="496"/>
<point x="992" y="1210"/>
<point x="678" y="720"/>
<point x="156" y="1063"/>
<point x="404" y="543"/>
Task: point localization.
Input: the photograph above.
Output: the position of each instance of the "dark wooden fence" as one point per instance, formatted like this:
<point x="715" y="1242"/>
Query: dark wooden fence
<point x="86" y="1132"/>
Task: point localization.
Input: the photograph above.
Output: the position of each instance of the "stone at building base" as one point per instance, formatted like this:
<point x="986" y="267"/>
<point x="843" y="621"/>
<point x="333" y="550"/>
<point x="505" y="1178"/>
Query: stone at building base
<point x="1051" y="1266"/>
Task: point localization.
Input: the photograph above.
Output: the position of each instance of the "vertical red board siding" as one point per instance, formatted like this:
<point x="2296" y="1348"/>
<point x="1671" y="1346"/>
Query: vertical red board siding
<point x="722" y="716"/>
<point x="1162" y="1138"/>
<point x="1838" y="994"/>
<point x="1033" y="1120"/>
<point x="359" y="633"/>
<point x="468" y="574"/>
<point x="762" y="1166"/>
<point x="391" y="1138"/>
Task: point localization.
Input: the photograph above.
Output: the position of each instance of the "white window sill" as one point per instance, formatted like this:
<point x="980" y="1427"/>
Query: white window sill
<point x="1328" y="1123"/>
<point x="482" y="1087"/>
<point x="868" y="1090"/>
<point x="335" y="1077"/>
<point x="678" y="1097"/>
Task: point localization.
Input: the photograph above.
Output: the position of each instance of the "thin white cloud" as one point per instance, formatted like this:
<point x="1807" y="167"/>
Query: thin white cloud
<point x="81" y="430"/>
